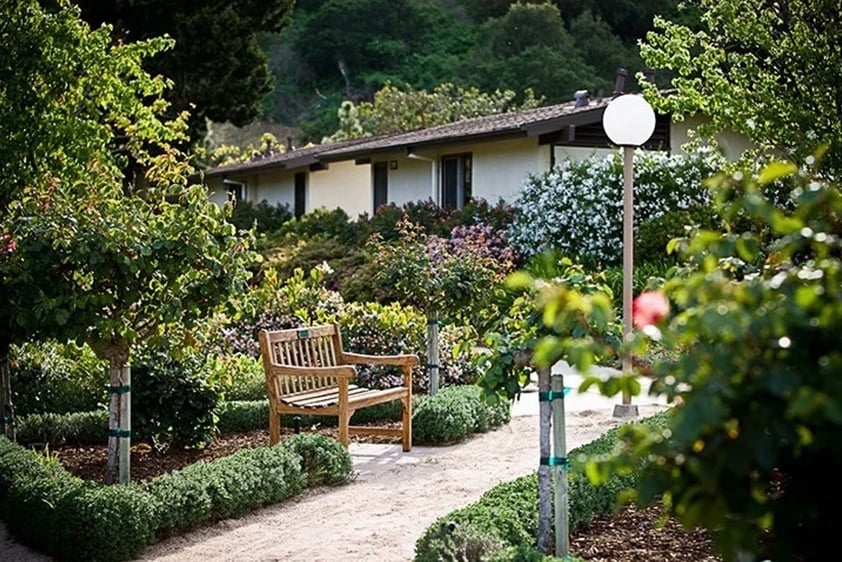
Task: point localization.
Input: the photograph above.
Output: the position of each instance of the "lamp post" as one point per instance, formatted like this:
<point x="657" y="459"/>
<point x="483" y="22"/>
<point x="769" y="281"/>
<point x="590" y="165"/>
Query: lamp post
<point x="628" y="121"/>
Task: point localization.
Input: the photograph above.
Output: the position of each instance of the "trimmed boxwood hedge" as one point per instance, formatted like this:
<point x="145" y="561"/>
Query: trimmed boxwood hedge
<point x="507" y="515"/>
<point x="454" y="413"/>
<point x="50" y="510"/>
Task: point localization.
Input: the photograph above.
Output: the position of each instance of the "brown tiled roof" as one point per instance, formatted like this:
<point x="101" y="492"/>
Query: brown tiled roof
<point x="528" y="122"/>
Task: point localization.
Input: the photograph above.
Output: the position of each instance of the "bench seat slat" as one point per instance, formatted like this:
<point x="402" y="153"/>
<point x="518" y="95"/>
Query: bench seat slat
<point x="357" y="397"/>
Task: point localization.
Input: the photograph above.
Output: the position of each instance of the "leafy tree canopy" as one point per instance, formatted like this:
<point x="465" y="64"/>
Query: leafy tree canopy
<point x="218" y="69"/>
<point x="767" y="70"/>
<point x="529" y="47"/>
<point x="395" y="110"/>
<point x="72" y="104"/>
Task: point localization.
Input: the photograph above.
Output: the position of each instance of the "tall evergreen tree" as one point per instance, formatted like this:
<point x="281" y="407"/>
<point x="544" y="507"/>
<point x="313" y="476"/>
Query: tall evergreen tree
<point x="217" y="67"/>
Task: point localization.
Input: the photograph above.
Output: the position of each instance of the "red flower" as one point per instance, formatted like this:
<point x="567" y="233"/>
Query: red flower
<point x="7" y="244"/>
<point x="649" y="309"/>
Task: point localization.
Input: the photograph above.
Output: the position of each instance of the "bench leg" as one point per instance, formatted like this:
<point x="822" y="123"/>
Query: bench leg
<point x="406" y="424"/>
<point x="274" y="427"/>
<point x="344" y="432"/>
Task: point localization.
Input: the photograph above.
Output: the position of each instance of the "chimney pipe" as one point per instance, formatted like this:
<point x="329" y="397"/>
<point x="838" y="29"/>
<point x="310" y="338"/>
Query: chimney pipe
<point x="582" y="98"/>
<point x="649" y="75"/>
<point x="620" y="82"/>
<point x="290" y="146"/>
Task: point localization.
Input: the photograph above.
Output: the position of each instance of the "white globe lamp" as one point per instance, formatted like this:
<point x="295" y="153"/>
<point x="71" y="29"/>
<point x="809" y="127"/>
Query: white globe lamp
<point x="628" y="121"/>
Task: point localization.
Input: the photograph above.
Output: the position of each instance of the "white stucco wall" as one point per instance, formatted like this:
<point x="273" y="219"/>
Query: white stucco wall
<point x="732" y="144"/>
<point x="273" y="186"/>
<point x="578" y="153"/>
<point x="345" y="185"/>
<point x="216" y="191"/>
<point x="499" y="168"/>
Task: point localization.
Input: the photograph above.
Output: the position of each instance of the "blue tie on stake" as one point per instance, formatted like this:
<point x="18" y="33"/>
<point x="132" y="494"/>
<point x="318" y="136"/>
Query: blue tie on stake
<point x="552" y="395"/>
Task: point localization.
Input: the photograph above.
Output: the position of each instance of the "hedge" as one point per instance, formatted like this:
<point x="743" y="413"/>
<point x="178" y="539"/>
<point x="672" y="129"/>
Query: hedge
<point x="507" y="515"/>
<point x="50" y="510"/>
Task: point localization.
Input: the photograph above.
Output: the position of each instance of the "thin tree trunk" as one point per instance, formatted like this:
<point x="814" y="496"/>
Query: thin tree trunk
<point x="433" y="351"/>
<point x="544" y="483"/>
<point x="115" y="380"/>
<point x="7" y="410"/>
<point x="125" y="424"/>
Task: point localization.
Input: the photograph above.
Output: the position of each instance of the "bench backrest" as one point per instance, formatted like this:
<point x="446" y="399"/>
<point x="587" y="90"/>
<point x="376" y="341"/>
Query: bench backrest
<point x="317" y="346"/>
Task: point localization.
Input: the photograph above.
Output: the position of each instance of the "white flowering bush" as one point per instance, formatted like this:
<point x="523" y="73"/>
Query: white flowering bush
<point x="577" y="207"/>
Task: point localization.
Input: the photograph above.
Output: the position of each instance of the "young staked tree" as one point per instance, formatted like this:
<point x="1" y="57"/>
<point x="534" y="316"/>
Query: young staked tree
<point x="86" y="259"/>
<point x="767" y="70"/>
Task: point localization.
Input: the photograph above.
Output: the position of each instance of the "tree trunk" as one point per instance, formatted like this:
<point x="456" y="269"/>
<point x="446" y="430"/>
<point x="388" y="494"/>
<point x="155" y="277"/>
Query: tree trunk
<point x="433" y="351"/>
<point x="544" y="484"/>
<point x="7" y="410"/>
<point x="119" y="432"/>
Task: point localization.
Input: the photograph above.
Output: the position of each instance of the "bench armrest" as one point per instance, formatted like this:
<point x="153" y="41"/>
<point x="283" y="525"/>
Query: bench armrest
<point x="341" y="371"/>
<point x="361" y="358"/>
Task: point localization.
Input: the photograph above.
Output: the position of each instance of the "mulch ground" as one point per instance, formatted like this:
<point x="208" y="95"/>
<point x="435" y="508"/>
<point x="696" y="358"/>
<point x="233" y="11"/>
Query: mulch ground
<point x="633" y="535"/>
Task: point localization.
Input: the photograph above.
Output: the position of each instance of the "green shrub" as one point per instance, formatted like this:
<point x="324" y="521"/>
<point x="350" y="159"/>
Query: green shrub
<point x="57" y="378"/>
<point x="183" y="502"/>
<point x="80" y="428"/>
<point x="523" y="553"/>
<point x="454" y="413"/>
<point x="507" y="515"/>
<point x="324" y="460"/>
<point x="263" y="216"/>
<point x="240" y="416"/>
<point x="47" y="508"/>
<point x="242" y="376"/>
<point x="652" y="236"/>
<point x="377" y="329"/>
<point x="322" y="223"/>
<point x="106" y="523"/>
<point x="248" y="479"/>
<point x="173" y="401"/>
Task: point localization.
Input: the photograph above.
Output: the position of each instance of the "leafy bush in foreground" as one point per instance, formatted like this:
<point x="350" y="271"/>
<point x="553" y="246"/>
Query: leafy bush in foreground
<point x="507" y="515"/>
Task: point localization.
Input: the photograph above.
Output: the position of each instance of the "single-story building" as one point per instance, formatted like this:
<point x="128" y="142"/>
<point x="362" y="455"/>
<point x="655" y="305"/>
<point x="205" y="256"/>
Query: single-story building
<point x="485" y="157"/>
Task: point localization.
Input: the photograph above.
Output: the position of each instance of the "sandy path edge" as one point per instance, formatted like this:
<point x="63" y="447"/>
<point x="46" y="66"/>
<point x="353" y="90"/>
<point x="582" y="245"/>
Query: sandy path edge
<point x="382" y="513"/>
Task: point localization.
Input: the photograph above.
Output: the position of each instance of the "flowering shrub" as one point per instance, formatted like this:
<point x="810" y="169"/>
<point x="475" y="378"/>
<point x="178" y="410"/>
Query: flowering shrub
<point x="483" y="240"/>
<point x="394" y="329"/>
<point x="435" y="275"/>
<point x="378" y="329"/>
<point x="578" y="208"/>
<point x="277" y="304"/>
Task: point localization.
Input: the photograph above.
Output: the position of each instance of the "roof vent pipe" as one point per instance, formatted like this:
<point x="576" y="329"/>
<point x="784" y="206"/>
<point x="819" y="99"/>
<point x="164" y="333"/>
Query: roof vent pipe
<point x="582" y="98"/>
<point x="620" y="81"/>
<point x="649" y="75"/>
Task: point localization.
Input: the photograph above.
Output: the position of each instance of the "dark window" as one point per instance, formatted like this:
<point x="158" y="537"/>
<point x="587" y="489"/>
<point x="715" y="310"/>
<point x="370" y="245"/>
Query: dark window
<point x="235" y="190"/>
<point x="455" y="181"/>
<point x="300" y="203"/>
<point x="381" y="185"/>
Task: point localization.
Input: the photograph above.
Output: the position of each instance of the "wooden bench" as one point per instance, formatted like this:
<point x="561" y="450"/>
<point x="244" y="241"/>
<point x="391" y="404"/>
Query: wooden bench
<point x="308" y="372"/>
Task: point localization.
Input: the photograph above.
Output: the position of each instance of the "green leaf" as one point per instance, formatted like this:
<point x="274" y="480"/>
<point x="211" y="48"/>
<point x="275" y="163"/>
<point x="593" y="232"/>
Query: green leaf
<point x="775" y="171"/>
